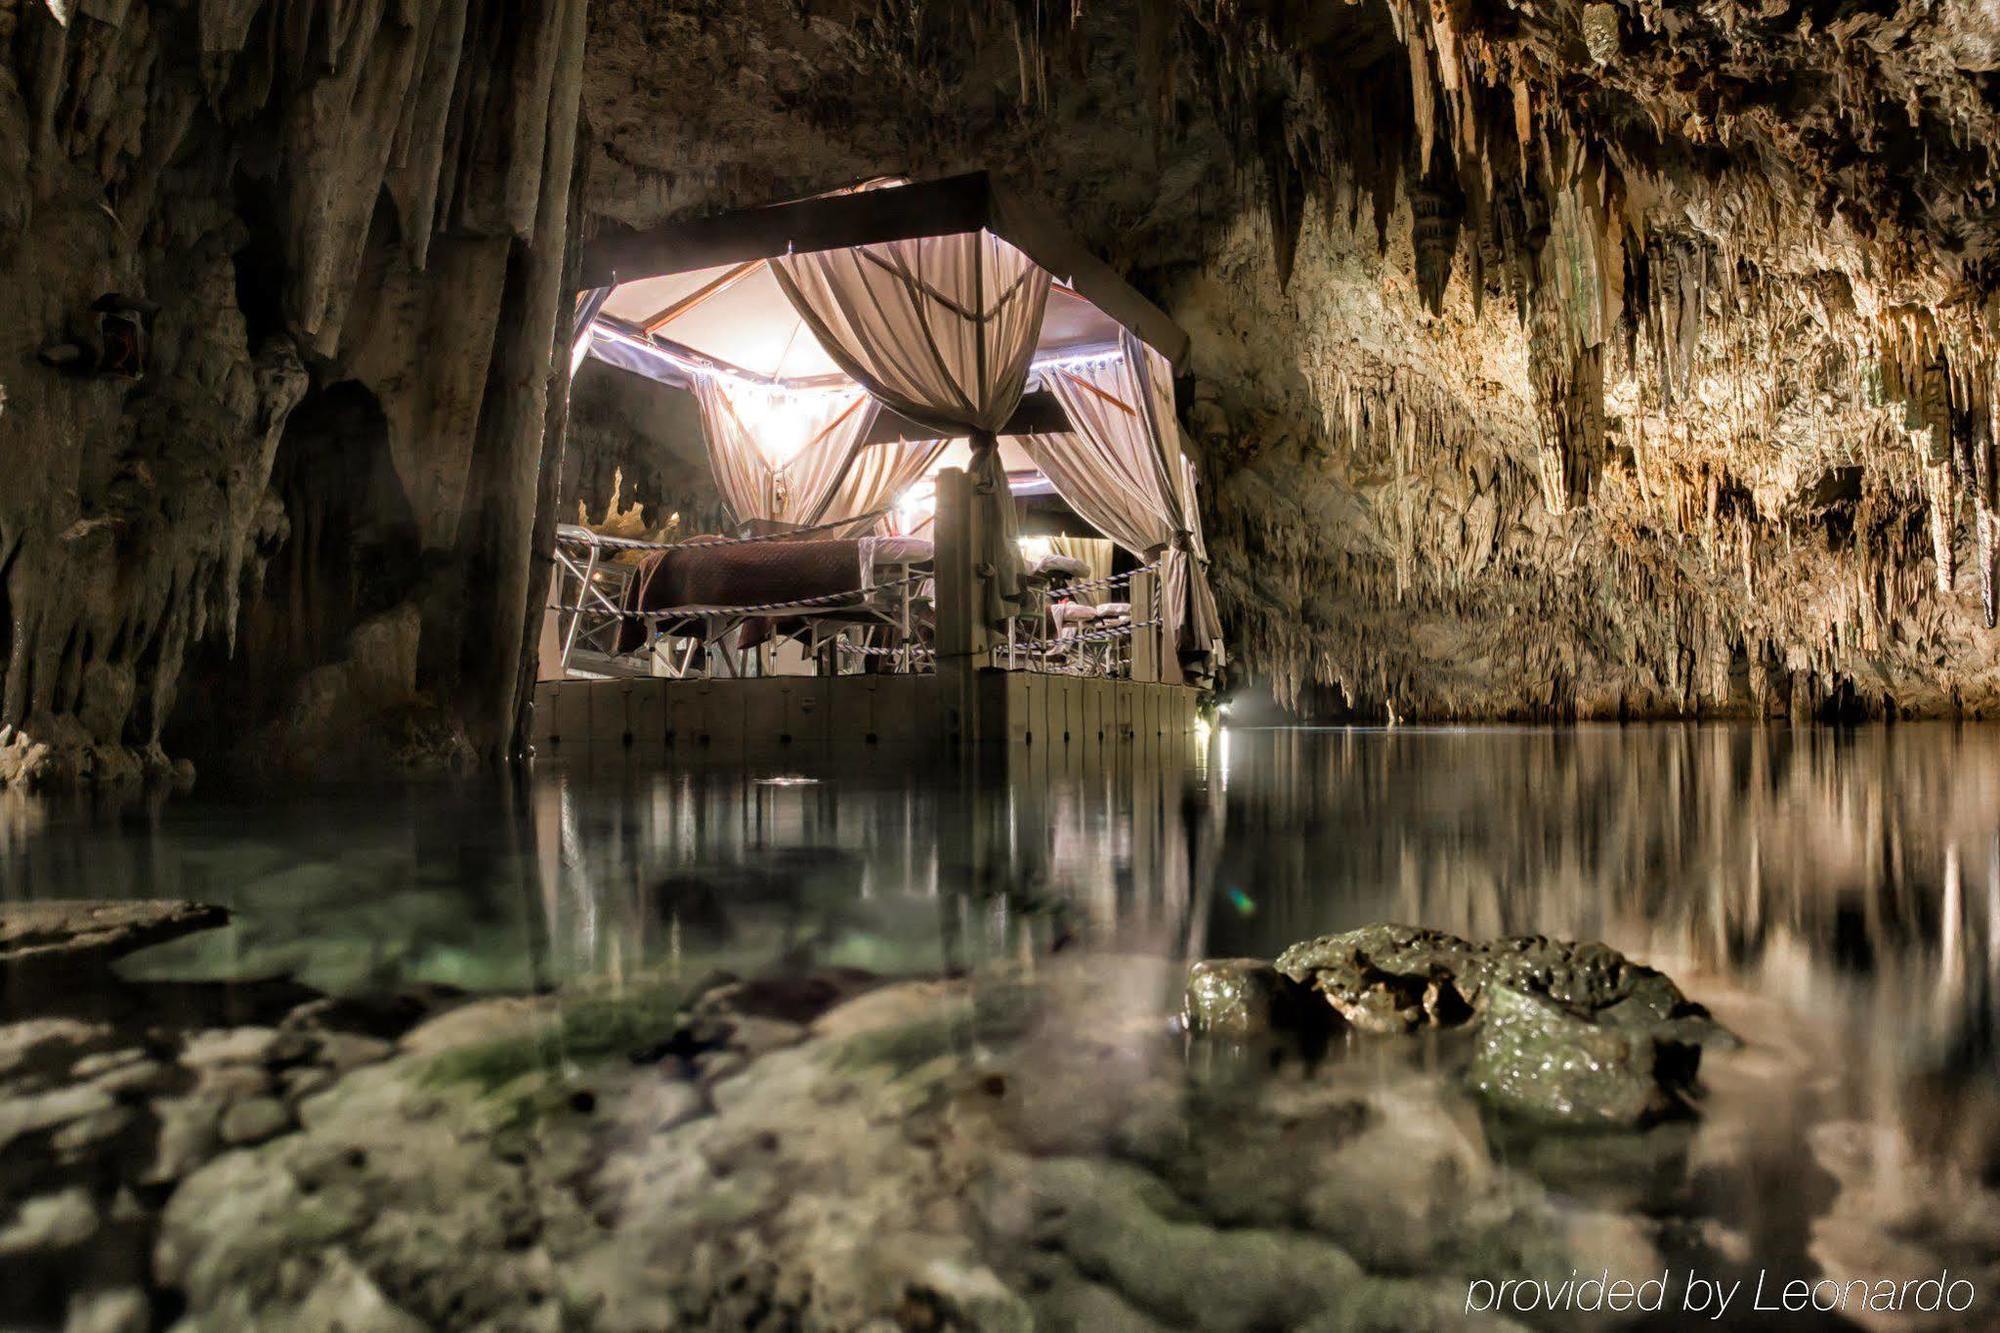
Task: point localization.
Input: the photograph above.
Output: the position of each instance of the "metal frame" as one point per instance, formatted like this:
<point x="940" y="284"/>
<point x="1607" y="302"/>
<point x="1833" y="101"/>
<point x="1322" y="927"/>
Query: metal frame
<point x="590" y="611"/>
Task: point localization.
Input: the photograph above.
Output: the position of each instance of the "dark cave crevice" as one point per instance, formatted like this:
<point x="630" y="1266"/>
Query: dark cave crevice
<point x="349" y="553"/>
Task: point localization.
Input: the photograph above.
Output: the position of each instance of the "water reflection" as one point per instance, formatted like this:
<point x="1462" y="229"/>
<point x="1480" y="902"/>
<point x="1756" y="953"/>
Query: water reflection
<point x="1833" y="896"/>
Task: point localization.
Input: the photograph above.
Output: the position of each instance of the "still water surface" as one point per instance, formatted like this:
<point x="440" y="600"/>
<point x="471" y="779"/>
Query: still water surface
<point x="1833" y="896"/>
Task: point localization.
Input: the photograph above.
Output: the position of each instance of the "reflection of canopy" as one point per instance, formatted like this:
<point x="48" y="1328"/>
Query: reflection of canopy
<point x="940" y="301"/>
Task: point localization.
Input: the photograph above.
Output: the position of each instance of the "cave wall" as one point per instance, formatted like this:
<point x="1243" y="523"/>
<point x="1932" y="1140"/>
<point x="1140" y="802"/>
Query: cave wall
<point x="1601" y="360"/>
<point x="634" y="462"/>
<point x="301" y="202"/>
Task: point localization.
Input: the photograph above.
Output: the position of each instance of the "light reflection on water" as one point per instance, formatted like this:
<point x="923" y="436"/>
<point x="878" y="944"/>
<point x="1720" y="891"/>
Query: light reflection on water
<point x="1833" y="895"/>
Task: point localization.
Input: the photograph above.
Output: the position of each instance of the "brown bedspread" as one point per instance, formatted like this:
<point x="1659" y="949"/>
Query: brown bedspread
<point x="743" y="574"/>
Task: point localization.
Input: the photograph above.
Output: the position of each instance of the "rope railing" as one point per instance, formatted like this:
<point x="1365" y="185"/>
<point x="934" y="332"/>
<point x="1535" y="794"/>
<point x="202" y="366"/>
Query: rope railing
<point x="577" y="536"/>
<point x="1067" y="589"/>
<point x="918" y="652"/>
<point x="755" y="608"/>
<point x="1122" y="630"/>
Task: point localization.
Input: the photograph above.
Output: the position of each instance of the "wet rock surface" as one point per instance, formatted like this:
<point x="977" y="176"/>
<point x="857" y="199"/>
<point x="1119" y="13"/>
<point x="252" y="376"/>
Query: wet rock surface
<point x="1572" y="1033"/>
<point x="944" y="1153"/>
<point x="1021" y="1147"/>
<point x="104" y="1112"/>
<point x="1240" y="998"/>
<point x="82" y="933"/>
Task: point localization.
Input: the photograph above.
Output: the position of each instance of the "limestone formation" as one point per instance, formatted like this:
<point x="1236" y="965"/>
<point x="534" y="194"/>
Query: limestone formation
<point x="235" y="235"/>
<point x="1546" y="365"/>
<point x="1608" y="360"/>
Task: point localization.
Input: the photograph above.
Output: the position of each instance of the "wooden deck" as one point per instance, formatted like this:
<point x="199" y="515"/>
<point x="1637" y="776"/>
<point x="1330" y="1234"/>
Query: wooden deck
<point x="740" y="716"/>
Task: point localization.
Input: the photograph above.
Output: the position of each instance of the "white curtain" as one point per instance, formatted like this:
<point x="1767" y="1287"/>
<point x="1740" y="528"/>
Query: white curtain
<point x="942" y="330"/>
<point x="1121" y="469"/>
<point x="876" y="475"/>
<point x="785" y="454"/>
<point x="1095" y="552"/>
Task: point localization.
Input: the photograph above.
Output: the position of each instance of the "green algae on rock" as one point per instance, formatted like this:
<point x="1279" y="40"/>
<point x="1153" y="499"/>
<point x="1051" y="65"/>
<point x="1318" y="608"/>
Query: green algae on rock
<point x="1569" y="1032"/>
<point x="1241" y="998"/>
<point x="1538" y="1059"/>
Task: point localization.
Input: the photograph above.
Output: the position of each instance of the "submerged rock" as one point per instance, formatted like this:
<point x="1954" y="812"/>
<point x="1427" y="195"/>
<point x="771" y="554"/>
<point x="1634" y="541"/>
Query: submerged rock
<point x="1538" y="1059"/>
<point x="1385" y="978"/>
<point x="1240" y="998"/>
<point x="1569" y="1032"/>
<point x="88" y="932"/>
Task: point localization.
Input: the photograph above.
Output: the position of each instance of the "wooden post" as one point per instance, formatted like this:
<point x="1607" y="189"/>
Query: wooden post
<point x="962" y="642"/>
<point x="1145" y="638"/>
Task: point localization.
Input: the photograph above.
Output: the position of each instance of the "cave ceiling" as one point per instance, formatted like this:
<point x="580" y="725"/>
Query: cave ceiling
<point x="1664" y="327"/>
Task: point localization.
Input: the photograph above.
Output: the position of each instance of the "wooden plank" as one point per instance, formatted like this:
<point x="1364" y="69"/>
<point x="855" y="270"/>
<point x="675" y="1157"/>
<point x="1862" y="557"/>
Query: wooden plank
<point x="682" y="705"/>
<point x="929" y="208"/>
<point x="1021" y="698"/>
<point x="723" y="717"/>
<point x="542" y="731"/>
<point x="693" y="299"/>
<point x="872" y="702"/>
<point x="806" y="711"/>
<point x="573" y="713"/>
<point x="646" y="714"/>
<point x="1039" y="413"/>
<point x="763" y="705"/>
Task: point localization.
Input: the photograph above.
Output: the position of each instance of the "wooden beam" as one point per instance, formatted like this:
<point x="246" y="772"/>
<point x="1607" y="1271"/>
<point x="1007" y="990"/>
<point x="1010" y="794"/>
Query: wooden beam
<point x="929" y="208"/>
<point x="692" y="299"/>
<point x="1038" y="414"/>
<point x="1111" y="398"/>
<point x="971" y="202"/>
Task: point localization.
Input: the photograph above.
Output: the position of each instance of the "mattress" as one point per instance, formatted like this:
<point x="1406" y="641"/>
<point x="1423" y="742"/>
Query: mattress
<point x="728" y="577"/>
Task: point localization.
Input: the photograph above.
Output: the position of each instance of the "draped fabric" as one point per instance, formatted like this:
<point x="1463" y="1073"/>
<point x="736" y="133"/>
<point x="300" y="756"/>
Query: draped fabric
<point x="939" y="328"/>
<point x="876" y="475"/>
<point x="942" y="330"/>
<point x="1095" y="552"/>
<point x="785" y="454"/>
<point x="1122" y="470"/>
<point x="588" y="304"/>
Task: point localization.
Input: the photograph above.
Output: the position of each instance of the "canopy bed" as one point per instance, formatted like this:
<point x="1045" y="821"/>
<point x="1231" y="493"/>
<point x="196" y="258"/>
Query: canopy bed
<point x="884" y="375"/>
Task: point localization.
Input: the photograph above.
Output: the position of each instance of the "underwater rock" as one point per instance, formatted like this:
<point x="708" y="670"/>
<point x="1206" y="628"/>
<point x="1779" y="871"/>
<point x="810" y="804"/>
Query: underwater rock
<point x="119" y="1310"/>
<point x="1540" y="1060"/>
<point x="253" y="1120"/>
<point x="91" y="933"/>
<point x="33" y="1039"/>
<point x="229" y="1046"/>
<point x="1240" y="998"/>
<point x="1387" y="978"/>
<point x="1395" y="977"/>
<point x="50" y="1222"/>
<point x="1569" y="1032"/>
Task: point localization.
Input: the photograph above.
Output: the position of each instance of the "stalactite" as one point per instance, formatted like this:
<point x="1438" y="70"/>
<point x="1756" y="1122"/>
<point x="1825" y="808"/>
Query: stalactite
<point x="417" y="129"/>
<point x="1436" y="209"/>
